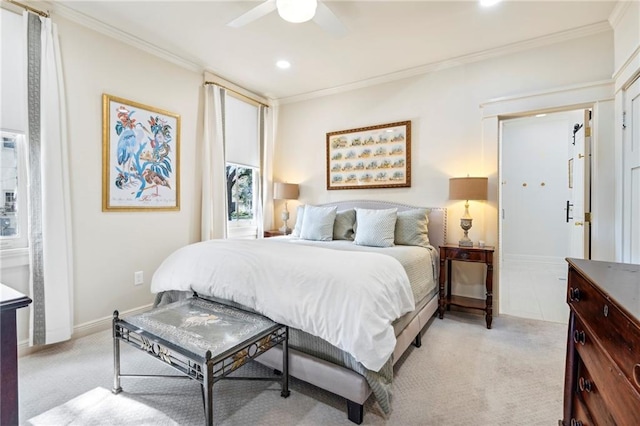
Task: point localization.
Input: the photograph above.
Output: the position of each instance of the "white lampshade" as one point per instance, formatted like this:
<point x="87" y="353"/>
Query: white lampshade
<point x="296" y="11"/>
<point x="285" y="191"/>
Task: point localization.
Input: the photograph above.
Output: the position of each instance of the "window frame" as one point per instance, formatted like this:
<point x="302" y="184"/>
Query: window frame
<point x="245" y="228"/>
<point x="21" y="241"/>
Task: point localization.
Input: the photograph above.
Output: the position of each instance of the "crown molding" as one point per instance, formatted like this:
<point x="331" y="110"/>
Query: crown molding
<point x="542" y="41"/>
<point x="618" y="12"/>
<point x="194" y="64"/>
<point x="99" y="26"/>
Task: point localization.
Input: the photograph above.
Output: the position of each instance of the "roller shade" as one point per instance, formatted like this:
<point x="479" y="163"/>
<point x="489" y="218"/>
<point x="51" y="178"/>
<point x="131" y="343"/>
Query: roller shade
<point x="242" y="144"/>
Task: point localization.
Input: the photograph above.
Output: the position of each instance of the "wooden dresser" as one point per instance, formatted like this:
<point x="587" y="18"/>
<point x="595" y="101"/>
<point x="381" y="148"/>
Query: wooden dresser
<point x="602" y="376"/>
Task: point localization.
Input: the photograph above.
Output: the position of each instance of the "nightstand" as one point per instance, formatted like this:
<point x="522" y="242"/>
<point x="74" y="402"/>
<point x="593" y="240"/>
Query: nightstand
<point x="273" y="233"/>
<point x="450" y="252"/>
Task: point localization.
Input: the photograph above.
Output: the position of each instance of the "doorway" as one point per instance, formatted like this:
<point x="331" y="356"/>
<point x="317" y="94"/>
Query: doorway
<point x="544" y="167"/>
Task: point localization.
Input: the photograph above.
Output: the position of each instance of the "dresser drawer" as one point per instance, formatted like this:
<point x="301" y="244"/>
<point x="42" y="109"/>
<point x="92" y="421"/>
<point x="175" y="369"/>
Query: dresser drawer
<point x="580" y="416"/>
<point x="466" y="255"/>
<point x="588" y="392"/>
<point x="620" y="398"/>
<point x="616" y="333"/>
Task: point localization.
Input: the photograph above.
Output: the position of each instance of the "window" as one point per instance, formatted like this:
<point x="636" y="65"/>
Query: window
<point x="240" y="194"/>
<point x="13" y="186"/>
<point x="242" y="151"/>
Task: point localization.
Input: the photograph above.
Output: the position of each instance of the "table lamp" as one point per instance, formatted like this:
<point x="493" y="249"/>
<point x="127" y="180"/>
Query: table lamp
<point x="285" y="191"/>
<point x="467" y="188"/>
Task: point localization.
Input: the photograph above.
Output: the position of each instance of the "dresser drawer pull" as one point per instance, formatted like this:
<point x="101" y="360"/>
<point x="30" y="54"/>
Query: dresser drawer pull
<point x="585" y="385"/>
<point x="574" y="294"/>
<point x="464" y="255"/>
<point x="575" y="422"/>
<point x="605" y="310"/>
<point x="579" y="337"/>
<point x="636" y="374"/>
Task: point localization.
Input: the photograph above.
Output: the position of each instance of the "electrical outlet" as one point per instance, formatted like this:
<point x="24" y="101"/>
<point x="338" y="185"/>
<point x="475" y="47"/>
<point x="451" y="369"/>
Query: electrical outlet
<point x="138" y="278"/>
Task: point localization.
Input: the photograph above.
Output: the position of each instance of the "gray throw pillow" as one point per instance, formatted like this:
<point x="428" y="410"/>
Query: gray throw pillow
<point x="375" y="228"/>
<point x="343" y="226"/>
<point x="411" y="228"/>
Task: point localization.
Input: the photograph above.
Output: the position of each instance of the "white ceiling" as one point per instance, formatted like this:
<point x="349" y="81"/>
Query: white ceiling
<point x="385" y="39"/>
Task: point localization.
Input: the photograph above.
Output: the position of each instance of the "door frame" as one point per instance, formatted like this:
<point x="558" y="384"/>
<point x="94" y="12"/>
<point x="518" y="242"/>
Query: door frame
<point x="548" y="265"/>
<point x="585" y="96"/>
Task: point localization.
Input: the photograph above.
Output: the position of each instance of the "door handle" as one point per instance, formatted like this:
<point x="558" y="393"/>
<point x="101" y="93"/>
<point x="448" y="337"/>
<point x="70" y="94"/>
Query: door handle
<point x="569" y="205"/>
<point x="579" y="223"/>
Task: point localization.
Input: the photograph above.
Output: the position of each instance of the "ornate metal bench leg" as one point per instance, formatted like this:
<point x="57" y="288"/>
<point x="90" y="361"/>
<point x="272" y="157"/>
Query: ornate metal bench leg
<point x="285" y="364"/>
<point x="116" y="356"/>
<point x="208" y="390"/>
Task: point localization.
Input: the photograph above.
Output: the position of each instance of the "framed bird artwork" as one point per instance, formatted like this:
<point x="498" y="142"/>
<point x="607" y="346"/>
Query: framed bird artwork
<point x="140" y="157"/>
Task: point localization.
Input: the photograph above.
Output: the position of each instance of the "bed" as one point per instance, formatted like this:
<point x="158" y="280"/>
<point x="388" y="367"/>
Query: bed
<point x="391" y="286"/>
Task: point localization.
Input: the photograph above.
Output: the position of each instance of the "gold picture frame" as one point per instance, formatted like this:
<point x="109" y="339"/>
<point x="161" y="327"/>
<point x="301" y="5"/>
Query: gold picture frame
<point x="140" y="157"/>
<point x="370" y="157"/>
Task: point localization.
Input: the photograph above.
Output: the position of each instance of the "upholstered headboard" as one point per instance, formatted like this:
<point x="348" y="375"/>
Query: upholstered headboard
<point x="437" y="215"/>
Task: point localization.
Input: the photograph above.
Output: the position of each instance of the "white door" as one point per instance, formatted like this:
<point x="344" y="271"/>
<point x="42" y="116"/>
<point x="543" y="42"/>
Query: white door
<point x="631" y="176"/>
<point x="535" y="236"/>
<point x="579" y="172"/>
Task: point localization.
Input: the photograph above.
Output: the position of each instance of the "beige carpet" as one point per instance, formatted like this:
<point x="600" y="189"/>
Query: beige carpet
<point x="463" y="374"/>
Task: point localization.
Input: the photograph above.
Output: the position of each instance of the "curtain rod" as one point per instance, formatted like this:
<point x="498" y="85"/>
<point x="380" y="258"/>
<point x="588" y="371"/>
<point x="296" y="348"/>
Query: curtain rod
<point x="236" y="93"/>
<point x="29" y="8"/>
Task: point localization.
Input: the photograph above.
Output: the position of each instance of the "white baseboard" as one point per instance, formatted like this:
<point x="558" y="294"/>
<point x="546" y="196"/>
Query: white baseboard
<point x="82" y="330"/>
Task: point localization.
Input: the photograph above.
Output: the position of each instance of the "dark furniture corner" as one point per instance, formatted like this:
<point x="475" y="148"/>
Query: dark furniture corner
<point x="10" y="301"/>
<point x="602" y="370"/>
<point x="484" y="255"/>
<point x="273" y="233"/>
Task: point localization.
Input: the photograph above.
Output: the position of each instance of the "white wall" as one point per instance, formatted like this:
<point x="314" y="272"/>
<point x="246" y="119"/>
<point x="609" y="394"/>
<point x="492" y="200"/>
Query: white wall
<point x="447" y="137"/>
<point x="109" y="247"/>
<point x="625" y="21"/>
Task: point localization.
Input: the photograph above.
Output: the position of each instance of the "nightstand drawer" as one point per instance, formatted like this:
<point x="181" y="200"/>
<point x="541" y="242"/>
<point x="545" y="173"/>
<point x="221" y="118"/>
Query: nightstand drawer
<point x="466" y="254"/>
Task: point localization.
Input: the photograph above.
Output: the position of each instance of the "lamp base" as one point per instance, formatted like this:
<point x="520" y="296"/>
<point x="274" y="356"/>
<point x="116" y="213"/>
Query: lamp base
<point x="285" y="230"/>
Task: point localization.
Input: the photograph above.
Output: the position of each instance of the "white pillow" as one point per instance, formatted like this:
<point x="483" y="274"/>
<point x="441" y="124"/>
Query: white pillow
<point x="317" y="223"/>
<point x="375" y="228"/>
<point x="299" y="219"/>
<point x="411" y="228"/>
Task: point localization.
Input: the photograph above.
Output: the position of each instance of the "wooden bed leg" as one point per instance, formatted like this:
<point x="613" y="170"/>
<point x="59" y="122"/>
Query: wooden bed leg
<point x="418" y="341"/>
<point x="355" y="412"/>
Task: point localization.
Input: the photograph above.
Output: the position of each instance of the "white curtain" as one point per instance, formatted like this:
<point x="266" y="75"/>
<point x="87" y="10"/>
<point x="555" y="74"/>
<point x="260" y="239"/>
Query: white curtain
<point x="268" y="117"/>
<point x="214" y="175"/>
<point x="50" y="251"/>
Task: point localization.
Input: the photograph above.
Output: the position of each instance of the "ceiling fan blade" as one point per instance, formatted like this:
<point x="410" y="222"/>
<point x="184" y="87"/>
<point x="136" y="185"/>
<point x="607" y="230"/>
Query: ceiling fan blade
<point x="253" y="14"/>
<point x="329" y="21"/>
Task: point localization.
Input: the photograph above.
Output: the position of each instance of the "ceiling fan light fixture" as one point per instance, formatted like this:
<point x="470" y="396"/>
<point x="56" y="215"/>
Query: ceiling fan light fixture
<point x="296" y="11"/>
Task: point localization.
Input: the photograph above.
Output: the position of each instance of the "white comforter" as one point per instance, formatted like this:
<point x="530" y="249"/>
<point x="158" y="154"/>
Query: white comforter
<point x="347" y="298"/>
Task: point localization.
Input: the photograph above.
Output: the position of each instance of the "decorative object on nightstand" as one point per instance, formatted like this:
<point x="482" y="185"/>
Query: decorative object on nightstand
<point x="449" y="252"/>
<point x="467" y="188"/>
<point x="285" y="191"/>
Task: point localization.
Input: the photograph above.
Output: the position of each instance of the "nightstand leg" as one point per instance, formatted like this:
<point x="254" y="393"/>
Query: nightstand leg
<point x="489" y="283"/>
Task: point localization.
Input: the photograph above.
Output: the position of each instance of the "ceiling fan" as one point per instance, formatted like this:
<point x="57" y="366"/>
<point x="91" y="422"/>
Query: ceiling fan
<point x="295" y="11"/>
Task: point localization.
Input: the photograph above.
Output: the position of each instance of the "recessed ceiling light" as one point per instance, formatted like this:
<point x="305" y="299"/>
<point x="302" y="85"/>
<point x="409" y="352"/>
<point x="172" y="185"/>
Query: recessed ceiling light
<point x="489" y="3"/>
<point x="282" y="64"/>
<point x="541" y="115"/>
